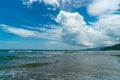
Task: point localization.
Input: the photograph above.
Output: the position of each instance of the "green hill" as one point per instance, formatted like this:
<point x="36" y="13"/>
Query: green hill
<point x="114" y="47"/>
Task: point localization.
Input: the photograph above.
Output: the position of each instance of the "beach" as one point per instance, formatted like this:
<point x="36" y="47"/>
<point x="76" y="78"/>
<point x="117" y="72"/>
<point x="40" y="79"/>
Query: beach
<point x="60" y="65"/>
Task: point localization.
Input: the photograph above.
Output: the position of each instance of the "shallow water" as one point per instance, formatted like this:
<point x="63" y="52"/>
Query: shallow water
<point x="60" y="65"/>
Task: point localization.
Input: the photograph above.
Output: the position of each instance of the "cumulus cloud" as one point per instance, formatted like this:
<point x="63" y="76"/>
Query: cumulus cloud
<point x="76" y="32"/>
<point x="100" y="7"/>
<point x="46" y="34"/>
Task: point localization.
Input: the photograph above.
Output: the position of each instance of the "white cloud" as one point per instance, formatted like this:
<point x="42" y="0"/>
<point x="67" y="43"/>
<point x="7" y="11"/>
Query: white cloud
<point x="52" y="29"/>
<point x="61" y="4"/>
<point x="100" y="7"/>
<point x="70" y="5"/>
<point x="103" y="32"/>
<point x="110" y="25"/>
<point x="46" y="34"/>
<point x="74" y="19"/>
<point x="94" y="7"/>
<point x="76" y="3"/>
<point x="19" y="31"/>
<point x="29" y="2"/>
<point x="76" y="32"/>
<point x="54" y="3"/>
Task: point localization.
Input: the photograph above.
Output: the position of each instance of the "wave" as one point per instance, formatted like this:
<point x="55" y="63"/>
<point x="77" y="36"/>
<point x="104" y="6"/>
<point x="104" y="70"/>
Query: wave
<point x="11" y="51"/>
<point x="9" y="57"/>
<point x="29" y="65"/>
<point x="26" y="51"/>
<point x="32" y="65"/>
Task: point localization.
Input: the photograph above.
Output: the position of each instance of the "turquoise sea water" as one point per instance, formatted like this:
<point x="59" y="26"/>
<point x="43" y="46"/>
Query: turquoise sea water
<point x="60" y="65"/>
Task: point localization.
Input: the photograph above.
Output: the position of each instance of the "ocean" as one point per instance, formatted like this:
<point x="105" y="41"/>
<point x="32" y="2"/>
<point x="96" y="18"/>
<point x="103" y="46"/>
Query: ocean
<point x="59" y="65"/>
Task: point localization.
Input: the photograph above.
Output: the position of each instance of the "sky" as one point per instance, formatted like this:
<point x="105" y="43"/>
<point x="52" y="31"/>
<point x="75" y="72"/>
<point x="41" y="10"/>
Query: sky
<point x="59" y="24"/>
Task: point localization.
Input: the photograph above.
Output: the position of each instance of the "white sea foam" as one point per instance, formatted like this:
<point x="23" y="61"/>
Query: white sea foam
<point x="11" y="51"/>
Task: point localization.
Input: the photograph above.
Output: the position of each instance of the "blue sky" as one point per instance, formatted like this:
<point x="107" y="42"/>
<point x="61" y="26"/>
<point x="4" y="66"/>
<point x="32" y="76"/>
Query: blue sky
<point x="59" y="24"/>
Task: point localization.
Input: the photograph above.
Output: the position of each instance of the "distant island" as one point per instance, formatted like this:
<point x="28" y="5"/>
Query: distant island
<point x="114" y="47"/>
